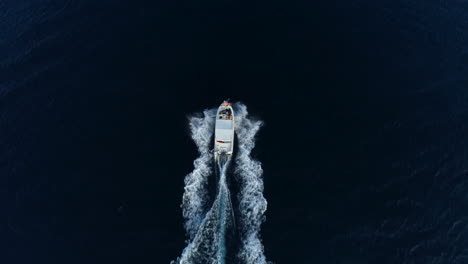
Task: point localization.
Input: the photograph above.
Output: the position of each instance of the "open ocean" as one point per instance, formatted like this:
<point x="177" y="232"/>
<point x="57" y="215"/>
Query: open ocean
<point x="364" y="142"/>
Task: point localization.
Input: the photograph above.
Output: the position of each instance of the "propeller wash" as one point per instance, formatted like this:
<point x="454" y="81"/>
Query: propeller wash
<point x="208" y="222"/>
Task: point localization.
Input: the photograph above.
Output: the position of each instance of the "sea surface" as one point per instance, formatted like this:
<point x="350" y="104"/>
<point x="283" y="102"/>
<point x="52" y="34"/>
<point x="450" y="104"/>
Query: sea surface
<point x="363" y="145"/>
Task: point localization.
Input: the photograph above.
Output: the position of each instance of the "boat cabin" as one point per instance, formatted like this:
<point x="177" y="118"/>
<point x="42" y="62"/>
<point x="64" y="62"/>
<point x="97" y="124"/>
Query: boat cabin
<point x="225" y="114"/>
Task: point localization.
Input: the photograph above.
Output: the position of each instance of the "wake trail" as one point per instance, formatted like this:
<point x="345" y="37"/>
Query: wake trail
<point x="252" y="203"/>
<point x="206" y="226"/>
<point x="223" y="196"/>
<point x="209" y="243"/>
<point x="195" y="190"/>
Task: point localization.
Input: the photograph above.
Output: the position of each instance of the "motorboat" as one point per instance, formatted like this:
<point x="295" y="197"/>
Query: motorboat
<point x="224" y="130"/>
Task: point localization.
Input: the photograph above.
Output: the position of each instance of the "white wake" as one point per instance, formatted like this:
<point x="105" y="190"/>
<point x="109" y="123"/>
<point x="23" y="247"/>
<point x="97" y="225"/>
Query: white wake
<point x="195" y="190"/>
<point x="252" y="204"/>
<point x="206" y="229"/>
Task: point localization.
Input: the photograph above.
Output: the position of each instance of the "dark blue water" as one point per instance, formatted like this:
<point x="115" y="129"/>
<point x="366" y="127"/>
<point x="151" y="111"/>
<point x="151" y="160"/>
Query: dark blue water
<point x="364" y="145"/>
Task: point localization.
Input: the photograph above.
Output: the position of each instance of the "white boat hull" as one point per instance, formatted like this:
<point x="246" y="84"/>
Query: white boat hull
<point x="224" y="130"/>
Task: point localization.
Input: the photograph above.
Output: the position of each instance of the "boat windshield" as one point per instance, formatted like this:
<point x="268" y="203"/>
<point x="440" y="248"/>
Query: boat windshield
<point x="225" y="114"/>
